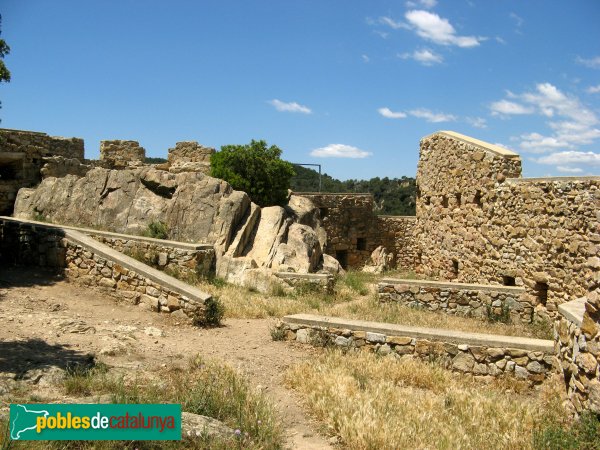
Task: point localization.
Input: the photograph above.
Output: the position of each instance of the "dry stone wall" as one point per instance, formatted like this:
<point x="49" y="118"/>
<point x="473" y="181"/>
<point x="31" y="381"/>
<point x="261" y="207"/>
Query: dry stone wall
<point x="577" y="344"/>
<point x="183" y="260"/>
<point x="118" y="154"/>
<point x="489" y="302"/>
<point x="32" y="244"/>
<point x="190" y="156"/>
<point x="396" y="234"/>
<point x="477" y="222"/>
<point x="532" y="364"/>
<point x="354" y="231"/>
<point x="22" y="155"/>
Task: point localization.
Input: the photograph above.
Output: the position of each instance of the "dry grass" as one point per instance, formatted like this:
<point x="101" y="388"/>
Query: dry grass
<point x="355" y="298"/>
<point x="203" y="387"/>
<point x="374" y="402"/>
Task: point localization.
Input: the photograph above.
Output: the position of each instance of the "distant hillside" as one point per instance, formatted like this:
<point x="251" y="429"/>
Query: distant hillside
<point x="394" y="196"/>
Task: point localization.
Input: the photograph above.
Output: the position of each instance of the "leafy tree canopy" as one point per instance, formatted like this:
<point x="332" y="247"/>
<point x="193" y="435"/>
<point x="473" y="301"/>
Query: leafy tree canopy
<point x="4" y="50"/>
<point x="255" y="169"/>
<point x="393" y="196"/>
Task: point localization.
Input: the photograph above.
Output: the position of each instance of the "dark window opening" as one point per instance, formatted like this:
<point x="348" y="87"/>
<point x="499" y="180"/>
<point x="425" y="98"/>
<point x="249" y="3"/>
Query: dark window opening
<point x="361" y="244"/>
<point x="508" y="281"/>
<point x="324" y="212"/>
<point x="458" y="199"/>
<point x="342" y="257"/>
<point x="454" y="268"/>
<point x="10" y="170"/>
<point x="541" y="292"/>
<point x="444" y="201"/>
<point x="477" y="199"/>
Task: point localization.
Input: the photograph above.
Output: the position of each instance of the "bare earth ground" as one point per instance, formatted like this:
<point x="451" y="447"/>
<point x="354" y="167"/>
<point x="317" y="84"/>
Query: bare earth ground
<point x="46" y="321"/>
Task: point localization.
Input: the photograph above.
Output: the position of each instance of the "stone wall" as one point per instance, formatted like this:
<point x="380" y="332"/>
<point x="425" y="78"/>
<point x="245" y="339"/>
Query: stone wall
<point x="118" y="154"/>
<point x="354" y="230"/>
<point x="22" y="155"/>
<point x="529" y="359"/>
<point x="89" y="262"/>
<point x="473" y="300"/>
<point x="577" y="344"/>
<point x="395" y="233"/>
<point x="183" y="260"/>
<point x="190" y="157"/>
<point x="298" y="281"/>
<point x="476" y="224"/>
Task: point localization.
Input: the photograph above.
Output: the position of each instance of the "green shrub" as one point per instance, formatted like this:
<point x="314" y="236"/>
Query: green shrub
<point x="278" y="333"/>
<point x="255" y="169"/>
<point x="157" y="230"/>
<point x="215" y="310"/>
<point x="583" y="434"/>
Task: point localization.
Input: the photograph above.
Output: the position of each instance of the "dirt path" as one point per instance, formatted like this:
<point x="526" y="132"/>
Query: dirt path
<point x="44" y="320"/>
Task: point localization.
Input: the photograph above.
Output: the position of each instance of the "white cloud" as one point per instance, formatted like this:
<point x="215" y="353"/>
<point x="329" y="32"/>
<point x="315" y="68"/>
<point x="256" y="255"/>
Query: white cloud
<point x="389" y="114"/>
<point x="339" y="151"/>
<point x="593" y="89"/>
<point x="537" y="143"/>
<point x="593" y="63"/>
<point x="518" y="19"/>
<point x="505" y="107"/>
<point x="434" y="28"/>
<point x="365" y="58"/>
<point x="477" y="122"/>
<point x="428" y="4"/>
<point x="571" y="157"/>
<point x="571" y="122"/>
<point x="392" y="23"/>
<point x="290" y="107"/>
<point x="500" y="40"/>
<point x="567" y="169"/>
<point x="430" y="116"/>
<point x="424" y="56"/>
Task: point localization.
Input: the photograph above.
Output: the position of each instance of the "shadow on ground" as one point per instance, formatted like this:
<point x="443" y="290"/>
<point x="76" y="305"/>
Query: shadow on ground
<point x="21" y="276"/>
<point x="18" y="357"/>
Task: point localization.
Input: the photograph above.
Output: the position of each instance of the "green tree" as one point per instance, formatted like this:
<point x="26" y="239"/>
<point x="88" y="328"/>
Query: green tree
<point x="255" y="169"/>
<point x="4" y="50"/>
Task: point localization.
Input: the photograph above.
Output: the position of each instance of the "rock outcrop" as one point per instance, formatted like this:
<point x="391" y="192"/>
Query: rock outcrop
<point x="250" y="242"/>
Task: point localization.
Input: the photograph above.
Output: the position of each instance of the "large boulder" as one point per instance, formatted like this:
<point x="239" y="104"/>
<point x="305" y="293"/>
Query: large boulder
<point x="251" y="243"/>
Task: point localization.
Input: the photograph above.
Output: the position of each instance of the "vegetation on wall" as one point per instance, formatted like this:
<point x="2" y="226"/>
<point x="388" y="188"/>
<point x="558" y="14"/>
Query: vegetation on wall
<point x="255" y="169"/>
<point x="393" y="196"/>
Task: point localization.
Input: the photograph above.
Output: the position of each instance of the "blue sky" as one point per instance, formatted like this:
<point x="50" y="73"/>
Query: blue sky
<point x="352" y="85"/>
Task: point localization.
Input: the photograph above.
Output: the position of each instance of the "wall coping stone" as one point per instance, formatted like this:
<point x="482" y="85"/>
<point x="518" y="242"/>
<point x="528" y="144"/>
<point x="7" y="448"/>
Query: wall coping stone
<point x="39" y="133"/>
<point x="552" y="179"/>
<point x="133" y="264"/>
<point x="476" y="142"/>
<point x="162" y="242"/>
<point x="353" y="194"/>
<point x="573" y="310"/>
<point x="397" y="217"/>
<point x="303" y="276"/>
<point x="458" y="337"/>
<point x="127" y="262"/>
<point x="452" y="285"/>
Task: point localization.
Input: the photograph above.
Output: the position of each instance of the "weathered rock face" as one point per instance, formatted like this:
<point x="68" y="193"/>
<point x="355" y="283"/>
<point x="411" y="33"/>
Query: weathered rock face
<point x="381" y="261"/>
<point x="126" y="201"/>
<point x="250" y="243"/>
<point x="21" y="157"/>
